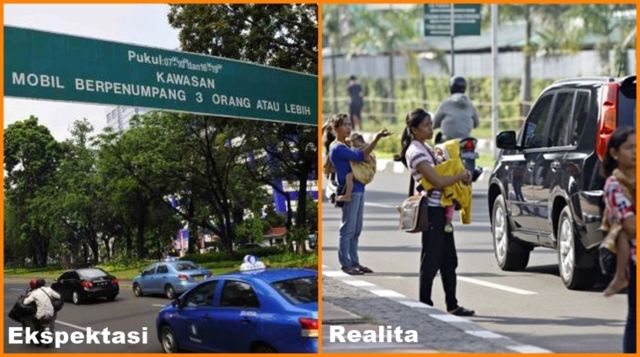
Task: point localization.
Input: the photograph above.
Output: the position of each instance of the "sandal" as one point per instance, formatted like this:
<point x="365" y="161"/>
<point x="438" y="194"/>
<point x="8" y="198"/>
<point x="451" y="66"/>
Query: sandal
<point x="461" y="311"/>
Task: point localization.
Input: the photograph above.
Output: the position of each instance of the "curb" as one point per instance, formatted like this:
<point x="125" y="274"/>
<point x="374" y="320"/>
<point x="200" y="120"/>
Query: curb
<point x="469" y="327"/>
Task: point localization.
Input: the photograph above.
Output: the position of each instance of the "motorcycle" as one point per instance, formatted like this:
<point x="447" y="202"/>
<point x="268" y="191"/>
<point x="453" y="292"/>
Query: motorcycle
<point x="468" y="154"/>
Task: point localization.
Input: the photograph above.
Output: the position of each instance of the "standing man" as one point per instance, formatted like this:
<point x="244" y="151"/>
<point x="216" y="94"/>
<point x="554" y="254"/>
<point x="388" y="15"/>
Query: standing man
<point x="356" y="103"/>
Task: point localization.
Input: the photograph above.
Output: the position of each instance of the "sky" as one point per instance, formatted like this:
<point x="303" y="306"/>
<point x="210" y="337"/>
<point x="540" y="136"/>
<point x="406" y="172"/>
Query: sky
<point x="139" y="24"/>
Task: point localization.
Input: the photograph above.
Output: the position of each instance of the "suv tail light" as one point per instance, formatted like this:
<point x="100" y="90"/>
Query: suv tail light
<point x="607" y="122"/>
<point x="86" y="284"/>
<point x="183" y="277"/>
<point x="309" y="327"/>
<point x="114" y="281"/>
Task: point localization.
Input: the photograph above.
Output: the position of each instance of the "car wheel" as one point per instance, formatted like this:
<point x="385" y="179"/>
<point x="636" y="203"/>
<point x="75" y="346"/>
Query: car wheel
<point x="510" y="253"/>
<point x="168" y="340"/>
<point x="170" y="292"/>
<point x="570" y="252"/>
<point x="263" y="348"/>
<point x="137" y="290"/>
<point x="75" y="298"/>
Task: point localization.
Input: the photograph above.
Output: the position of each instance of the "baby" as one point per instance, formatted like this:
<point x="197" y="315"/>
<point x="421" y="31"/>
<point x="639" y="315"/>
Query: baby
<point x="442" y="155"/>
<point x="361" y="171"/>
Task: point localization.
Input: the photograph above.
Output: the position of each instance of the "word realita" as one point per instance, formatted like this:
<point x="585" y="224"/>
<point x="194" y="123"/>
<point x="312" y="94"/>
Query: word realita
<point x="384" y="334"/>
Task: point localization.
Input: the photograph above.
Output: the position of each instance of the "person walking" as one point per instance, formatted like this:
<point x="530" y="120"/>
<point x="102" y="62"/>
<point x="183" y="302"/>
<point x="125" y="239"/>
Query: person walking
<point x="438" y="246"/>
<point x="619" y="167"/>
<point x="353" y="211"/>
<point x="356" y="102"/>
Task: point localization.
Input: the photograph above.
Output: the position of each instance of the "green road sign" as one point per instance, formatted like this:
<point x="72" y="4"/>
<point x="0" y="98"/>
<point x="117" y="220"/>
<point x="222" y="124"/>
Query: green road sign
<point x="45" y="65"/>
<point x="437" y="20"/>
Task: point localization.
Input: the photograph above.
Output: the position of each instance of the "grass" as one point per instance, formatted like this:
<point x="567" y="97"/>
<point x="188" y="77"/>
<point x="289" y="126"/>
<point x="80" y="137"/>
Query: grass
<point x="129" y="271"/>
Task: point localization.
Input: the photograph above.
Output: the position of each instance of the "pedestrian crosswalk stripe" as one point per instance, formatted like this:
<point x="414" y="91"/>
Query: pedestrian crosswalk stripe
<point x="387" y="293"/>
<point x="496" y="286"/>
<point x="360" y="283"/>
<point x="484" y="334"/>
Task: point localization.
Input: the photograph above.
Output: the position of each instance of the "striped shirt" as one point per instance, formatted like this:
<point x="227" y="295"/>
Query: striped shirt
<point x="619" y="208"/>
<point x="418" y="152"/>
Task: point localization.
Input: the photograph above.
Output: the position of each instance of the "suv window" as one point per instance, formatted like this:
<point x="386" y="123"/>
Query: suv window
<point x="561" y="118"/>
<point x="201" y="295"/>
<point x="580" y="117"/>
<point x="534" y="133"/>
<point x="162" y="269"/>
<point x="238" y="294"/>
<point x="627" y="104"/>
<point x="66" y="276"/>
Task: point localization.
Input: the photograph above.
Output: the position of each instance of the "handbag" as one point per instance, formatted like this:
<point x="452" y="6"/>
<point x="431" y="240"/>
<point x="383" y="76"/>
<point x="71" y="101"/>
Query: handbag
<point x="414" y="215"/>
<point x="20" y="310"/>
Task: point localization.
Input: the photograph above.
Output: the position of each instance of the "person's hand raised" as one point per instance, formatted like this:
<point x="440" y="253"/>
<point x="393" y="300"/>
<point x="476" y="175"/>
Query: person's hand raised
<point x="383" y="133"/>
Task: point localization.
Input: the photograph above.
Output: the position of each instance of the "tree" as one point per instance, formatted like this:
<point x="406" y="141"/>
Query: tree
<point x="382" y="31"/>
<point x="284" y="36"/>
<point x="31" y="157"/>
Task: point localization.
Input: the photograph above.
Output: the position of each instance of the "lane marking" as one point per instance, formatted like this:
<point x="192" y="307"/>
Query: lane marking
<point x="449" y="318"/>
<point x="72" y="325"/>
<point x="16" y="289"/>
<point x="335" y="274"/>
<point x="158" y="305"/>
<point x="484" y="334"/>
<point x="496" y="286"/>
<point x="528" y="349"/>
<point x="379" y="205"/>
<point x="387" y="293"/>
<point x="416" y="304"/>
<point x="359" y="283"/>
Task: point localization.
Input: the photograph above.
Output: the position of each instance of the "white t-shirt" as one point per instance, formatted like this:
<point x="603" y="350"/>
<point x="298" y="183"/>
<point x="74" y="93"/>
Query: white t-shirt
<point x="44" y="307"/>
<point x="418" y="152"/>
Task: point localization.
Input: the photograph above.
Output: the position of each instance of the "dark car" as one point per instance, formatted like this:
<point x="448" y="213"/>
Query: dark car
<point x="546" y="188"/>
<point x="82" y="284"/>
<point x="264" y="310"/>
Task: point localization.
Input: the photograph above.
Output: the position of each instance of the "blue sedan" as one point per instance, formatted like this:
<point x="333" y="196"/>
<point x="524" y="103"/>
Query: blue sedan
<point x="267" y="310"/>
<point x="170" y="278"/>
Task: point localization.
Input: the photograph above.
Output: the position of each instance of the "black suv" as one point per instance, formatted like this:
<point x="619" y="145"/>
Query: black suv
<point x="546" y="189"/>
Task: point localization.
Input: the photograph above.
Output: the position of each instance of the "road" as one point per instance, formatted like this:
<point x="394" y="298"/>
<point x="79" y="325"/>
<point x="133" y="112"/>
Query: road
<point x="126" y="313"/>
<point x="530" y="306"/>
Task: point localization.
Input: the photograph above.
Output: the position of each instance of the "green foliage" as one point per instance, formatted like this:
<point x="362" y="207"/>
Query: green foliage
<point x="234" y="256"/>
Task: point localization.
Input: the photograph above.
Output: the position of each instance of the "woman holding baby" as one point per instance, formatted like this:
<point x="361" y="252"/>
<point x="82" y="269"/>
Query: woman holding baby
<point x="438" y="246"/>
<point x="340" y="155"/>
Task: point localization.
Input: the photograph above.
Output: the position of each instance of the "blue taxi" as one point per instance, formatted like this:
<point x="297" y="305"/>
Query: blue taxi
<point x="263" y="310"/>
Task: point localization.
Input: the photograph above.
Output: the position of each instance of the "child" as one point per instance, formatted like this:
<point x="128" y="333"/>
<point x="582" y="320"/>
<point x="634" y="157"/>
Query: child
<point x="361" y="171"/>
<point x="619" y="196"/>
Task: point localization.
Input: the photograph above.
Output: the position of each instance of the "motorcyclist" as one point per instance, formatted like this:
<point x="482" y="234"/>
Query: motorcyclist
<point x="45" y="313"/>
<point x="456" y="116"/>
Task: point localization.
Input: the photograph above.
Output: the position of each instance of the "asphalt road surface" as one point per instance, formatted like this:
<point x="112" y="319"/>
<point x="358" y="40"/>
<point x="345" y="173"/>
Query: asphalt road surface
<point x="126" y="313"/>
<point x="530" y="306"/>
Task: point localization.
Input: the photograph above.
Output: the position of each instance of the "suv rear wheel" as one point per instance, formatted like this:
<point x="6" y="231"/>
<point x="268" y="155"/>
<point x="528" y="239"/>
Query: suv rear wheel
<point x="510" y="253"/>
<point x="570" y="252"/>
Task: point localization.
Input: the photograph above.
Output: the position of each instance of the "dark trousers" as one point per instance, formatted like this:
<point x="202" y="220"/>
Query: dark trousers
<point x="438" y="254"/>
<point x="629" y="344"/>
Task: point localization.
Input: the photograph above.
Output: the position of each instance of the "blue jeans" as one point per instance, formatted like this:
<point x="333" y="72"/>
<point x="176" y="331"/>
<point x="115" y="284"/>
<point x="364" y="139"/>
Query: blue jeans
<point x="350" y="229"/>
<point x="629" y="345"/>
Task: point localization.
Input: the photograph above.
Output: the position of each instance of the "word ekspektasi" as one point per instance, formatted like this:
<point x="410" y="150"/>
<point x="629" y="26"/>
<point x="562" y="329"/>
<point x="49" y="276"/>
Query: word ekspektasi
<point x="19" y="335"/>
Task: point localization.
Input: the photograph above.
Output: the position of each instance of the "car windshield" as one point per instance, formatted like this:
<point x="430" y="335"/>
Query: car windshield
<point x="299" y="290"/>
<point x="180" y="266"/>
<point x="91" y="273"/>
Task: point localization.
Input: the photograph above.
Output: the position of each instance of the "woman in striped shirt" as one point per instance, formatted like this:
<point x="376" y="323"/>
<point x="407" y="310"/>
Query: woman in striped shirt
<point x="438" y="246"/>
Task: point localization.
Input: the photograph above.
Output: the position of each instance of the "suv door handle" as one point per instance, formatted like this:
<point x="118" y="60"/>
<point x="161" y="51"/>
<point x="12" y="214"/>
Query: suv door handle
<point x="531" y="165"/>
<point x="555" y="165"/>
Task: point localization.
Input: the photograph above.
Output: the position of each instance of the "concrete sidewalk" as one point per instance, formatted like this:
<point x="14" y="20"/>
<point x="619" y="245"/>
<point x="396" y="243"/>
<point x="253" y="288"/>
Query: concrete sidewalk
<point x="353" y="304"/>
